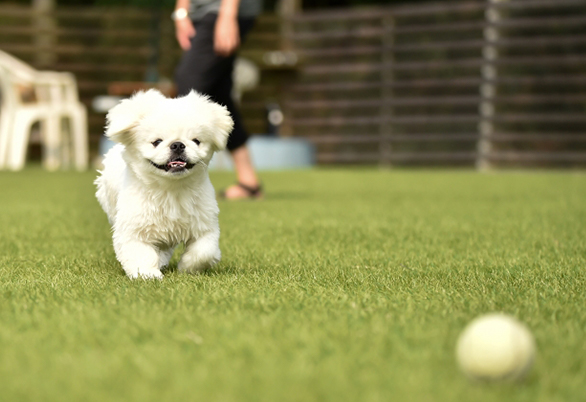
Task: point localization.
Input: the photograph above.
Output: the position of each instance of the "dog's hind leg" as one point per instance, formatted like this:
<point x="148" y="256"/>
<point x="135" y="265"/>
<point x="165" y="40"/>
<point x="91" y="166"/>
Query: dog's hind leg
<point x="201" y="254"/>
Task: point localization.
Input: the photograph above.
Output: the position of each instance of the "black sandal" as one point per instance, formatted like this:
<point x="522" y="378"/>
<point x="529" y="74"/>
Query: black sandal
<point x="252" y="193"/>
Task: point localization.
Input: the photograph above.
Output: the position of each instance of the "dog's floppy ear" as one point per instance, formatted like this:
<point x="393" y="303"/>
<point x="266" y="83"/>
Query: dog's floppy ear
<point x="126" y="115"/>
<point x="221" y="122"/>
<point x="223" y="125"/>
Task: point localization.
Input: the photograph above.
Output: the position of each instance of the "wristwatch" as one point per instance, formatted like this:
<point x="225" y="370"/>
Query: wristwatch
<point x="179" y="14"/>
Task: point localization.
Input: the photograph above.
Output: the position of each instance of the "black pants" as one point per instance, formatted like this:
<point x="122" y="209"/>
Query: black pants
<point x="203" y="70"/>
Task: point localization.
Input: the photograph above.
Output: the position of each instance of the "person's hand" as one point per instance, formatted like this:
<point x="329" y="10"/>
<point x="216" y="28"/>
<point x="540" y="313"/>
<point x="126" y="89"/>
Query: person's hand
<point x="184" y="31"/>
<point x="226" y="35"/>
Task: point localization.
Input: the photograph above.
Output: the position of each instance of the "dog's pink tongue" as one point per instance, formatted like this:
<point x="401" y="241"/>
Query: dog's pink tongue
<point x="177" y="164"/>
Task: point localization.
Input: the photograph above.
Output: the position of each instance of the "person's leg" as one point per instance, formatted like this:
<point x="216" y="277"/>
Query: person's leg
<point x="206" y="72"/>
<point x="200" y="68"/>
<point x="243" y="166"/>
<point x="248" y="183"/>
<point x="245" y="173"/>
<point x="222" y="94"/>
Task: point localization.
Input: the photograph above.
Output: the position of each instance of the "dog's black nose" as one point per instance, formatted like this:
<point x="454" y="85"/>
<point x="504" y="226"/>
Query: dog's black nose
<point x="177" y="146"/>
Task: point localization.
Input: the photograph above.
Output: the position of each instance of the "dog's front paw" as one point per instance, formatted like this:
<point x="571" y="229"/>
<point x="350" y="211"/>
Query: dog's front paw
<point x="138" y="259"/>
<point x="145" y="274"/>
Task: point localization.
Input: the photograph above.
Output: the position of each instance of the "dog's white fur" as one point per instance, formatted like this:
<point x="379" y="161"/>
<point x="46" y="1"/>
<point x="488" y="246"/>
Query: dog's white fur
<point x="153" y="210"/>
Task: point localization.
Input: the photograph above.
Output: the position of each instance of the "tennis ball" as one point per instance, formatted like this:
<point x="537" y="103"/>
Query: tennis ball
<point x="495" y="347"/>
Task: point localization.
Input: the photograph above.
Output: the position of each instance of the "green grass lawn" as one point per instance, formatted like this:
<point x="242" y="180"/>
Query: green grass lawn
<point x="342" y="285"/>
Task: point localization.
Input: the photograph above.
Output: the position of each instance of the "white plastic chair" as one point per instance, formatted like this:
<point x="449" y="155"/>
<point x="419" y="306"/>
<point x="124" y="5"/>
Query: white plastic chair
<point x="53" y="102"/>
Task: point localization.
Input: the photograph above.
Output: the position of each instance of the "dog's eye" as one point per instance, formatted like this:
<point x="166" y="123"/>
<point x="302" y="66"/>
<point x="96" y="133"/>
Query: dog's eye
<point x="197" y="142"/>
<point x="157" y="142"/>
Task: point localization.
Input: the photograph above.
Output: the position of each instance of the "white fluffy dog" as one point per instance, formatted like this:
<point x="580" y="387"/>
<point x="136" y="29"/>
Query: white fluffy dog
<point x="155" y="187"/>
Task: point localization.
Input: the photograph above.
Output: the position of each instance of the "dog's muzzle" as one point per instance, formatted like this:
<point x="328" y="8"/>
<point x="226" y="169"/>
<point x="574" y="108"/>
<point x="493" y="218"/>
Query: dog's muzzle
<point x="178" y="162"/>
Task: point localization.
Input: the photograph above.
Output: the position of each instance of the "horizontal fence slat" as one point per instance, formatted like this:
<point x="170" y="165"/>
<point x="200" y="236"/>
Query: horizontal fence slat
<point x="90" y="67"/>
<point x="538" y="156"/>
<point x="539" y="117"/>
<point x="358" y="138"/>
<point x="429" y="119"/>
<point x="451" y="45"/>
<point x="433" y="65"/>
<point x="335" y="157"/>
<point x="458" y="44"/>
<point x="358" y="14"/>
<point x="340" y="34"/>
<point x="516" y="23"/>
<point x="374" y="120"/>
<point x="427" y="9"/>
<point x="110" y="13"/>
<point x="554" y="137"/>
<point x="436" y="100"/>
<point x="539" y="22"/>
<point x="437" y="8"/>
<point x="399" y="157"/>
<point x="343" y="51"/>
<point x="454" y="82"/>
<point x="373" y="138"/>
<point x="77" y="49"/>
<point x="78" y="32"/>
<point x="525" y="157"/>
<point x="503" y="43"/>
<point x="527" y="4"/>
<point x="433" y="156"/>
<point x="440" y="28"/>
<point x="462" y="7"/>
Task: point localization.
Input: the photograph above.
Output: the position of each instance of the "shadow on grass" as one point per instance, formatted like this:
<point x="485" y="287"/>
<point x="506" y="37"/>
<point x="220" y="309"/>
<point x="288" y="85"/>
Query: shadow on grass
<point x="218" y="270"/>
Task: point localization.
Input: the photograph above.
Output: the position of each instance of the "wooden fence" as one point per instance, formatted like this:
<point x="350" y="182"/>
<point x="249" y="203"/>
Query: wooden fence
<point x="485" y="83"/>
<point x="102" y="46"/>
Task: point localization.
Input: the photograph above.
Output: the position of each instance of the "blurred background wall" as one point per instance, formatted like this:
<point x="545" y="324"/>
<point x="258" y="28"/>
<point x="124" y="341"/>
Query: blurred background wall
<point x="472" y="83"/>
